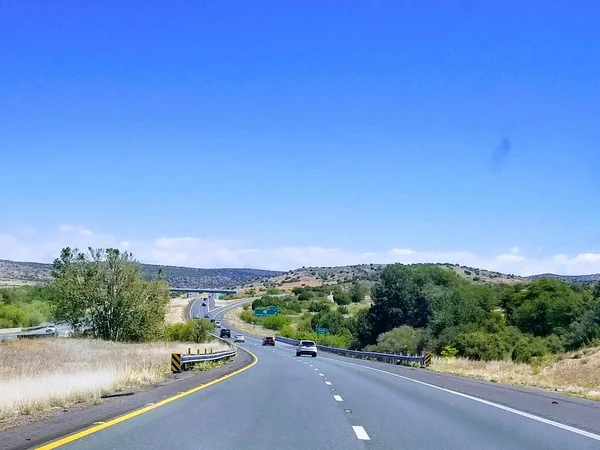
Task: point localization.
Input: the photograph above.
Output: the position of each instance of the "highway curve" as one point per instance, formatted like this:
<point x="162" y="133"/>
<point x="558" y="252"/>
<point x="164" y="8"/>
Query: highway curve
<point x="285" y="402"/>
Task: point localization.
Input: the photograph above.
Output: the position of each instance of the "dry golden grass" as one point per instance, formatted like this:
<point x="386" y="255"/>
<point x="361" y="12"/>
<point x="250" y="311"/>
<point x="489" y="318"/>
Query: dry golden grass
<point x="36" y="376"/>
<point x="576" y="373"/>
<point x="176" y="310"/>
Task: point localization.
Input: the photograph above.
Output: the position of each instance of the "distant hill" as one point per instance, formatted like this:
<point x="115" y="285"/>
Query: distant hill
<point x="312" y="276"/>
<point x="13" y="273"/>
<point x="592" y="278"/>
<point x="190" y="277"/>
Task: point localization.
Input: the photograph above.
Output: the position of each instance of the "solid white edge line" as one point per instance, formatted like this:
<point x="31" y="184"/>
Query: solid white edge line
<point x="486" y="402"/>
<point x="338" y="398"/>
<point x="361" y="433"/>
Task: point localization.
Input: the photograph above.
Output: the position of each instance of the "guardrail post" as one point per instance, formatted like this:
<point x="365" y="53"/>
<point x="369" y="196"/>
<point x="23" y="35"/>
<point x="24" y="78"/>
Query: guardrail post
<point x="197" y="351"/>
<point x="205" y="351"/>
<point x="176" y="362"/>
<point x="189" y="351"/>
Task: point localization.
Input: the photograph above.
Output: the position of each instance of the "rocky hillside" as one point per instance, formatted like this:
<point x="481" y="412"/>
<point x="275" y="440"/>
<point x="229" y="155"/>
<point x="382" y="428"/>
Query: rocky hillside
<point x="592" y="278"/>
<point x="315" y="276"/>
<point x="14" y="273"/>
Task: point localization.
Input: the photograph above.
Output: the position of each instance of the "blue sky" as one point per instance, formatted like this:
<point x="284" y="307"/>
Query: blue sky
<point x="278" y="134"/>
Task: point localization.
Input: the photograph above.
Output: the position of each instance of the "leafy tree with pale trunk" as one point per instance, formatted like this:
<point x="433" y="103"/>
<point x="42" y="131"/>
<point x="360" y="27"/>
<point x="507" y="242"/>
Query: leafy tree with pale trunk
<point x="104" y="290"/>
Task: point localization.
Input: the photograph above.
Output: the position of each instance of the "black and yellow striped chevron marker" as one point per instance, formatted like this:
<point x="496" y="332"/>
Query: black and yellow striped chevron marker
<point x="427" y="359"/>
<point x="175" y="362"/>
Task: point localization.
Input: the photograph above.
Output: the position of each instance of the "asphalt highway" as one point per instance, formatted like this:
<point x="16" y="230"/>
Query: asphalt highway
<point x="286" y="402"/>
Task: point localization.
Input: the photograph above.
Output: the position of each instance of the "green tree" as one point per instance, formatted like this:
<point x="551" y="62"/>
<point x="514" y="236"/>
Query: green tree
<point x="105" y="291"/>
<point x="332" y="320"/>
<point x="585" y="330"/>
<point x="403" y="295"/>
<point x="361" y="326"/>
<point x="341" y="298"/>
<point x="357" y="292"/>
<point x="200" y="330"/>
<point x="548" y="306"/>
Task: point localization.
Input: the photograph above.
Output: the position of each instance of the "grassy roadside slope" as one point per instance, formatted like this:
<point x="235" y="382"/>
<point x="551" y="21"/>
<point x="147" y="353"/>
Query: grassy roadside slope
<point x="574" y="373"/>
<point x="36" y="376"/>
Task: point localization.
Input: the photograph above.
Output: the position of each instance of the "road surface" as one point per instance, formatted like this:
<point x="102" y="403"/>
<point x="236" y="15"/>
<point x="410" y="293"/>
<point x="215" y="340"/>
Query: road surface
<point x="331" y="402"/>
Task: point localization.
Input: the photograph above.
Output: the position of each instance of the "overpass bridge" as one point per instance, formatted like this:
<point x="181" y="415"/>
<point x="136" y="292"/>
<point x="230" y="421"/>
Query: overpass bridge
<point x="204" y="291"/>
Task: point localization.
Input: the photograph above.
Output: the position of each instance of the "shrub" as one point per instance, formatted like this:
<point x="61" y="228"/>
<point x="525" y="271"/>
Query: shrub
<point x="528" y="348"/>
<point x="200" y="329"/>
<point x="342" y="309"/>
<point x="177" y="332"/>
<point x="481" y="346"/>
<point x="248" y="316"/>
<point x="403" y="339"/>
<point x="448" y="352"/>
<point x="341" y="298"/>
<point x="294" y="306"/>
<point x="319" y="307"/>
<point x="275" y="322"/>
<point x="193" y="331"/>
<point x="305" y="295"/>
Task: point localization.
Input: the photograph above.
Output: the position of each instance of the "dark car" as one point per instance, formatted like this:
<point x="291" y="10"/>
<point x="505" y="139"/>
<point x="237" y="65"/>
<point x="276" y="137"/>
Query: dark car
<point x="225" y="332"/>
<point x="269" y="340"/>
<point x="203" y="303"/>
<point x="206" y="316"/>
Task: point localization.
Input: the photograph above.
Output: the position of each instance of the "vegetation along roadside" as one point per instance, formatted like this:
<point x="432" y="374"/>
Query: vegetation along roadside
<point x="541" y="332"/>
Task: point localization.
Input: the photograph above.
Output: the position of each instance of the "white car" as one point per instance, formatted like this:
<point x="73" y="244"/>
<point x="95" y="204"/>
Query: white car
<point x="217" y="324"/>
<point x="196" y="316"/>
<point x="50" y="329"/>
<point x="307" y="348"/>
<point x="239" y="338"/>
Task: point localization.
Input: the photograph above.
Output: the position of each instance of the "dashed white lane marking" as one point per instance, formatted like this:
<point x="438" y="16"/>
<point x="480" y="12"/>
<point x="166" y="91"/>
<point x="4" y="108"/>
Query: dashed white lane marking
<point x="316" y="369"/>
<point x="361" y="433"/>
<point x="486" y="402"/>
<point x="338" y="398"/>
<point x="328" y="383"/>
<point x="321" y="375"/>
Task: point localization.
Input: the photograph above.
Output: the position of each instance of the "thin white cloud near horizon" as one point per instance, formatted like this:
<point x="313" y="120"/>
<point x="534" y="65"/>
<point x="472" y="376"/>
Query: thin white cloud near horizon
<point x="31" y="244"/>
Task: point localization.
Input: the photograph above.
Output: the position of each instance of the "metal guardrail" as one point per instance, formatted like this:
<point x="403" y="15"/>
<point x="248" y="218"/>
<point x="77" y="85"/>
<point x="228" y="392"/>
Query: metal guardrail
<point x="180" y="362"/>
<point x="385" y="357"/>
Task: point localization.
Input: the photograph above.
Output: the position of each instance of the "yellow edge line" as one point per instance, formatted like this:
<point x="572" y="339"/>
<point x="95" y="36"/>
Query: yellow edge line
<point x="116" y="420"/>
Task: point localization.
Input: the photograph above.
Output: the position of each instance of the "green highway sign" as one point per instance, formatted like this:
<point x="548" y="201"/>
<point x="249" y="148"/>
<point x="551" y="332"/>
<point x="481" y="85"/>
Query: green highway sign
<point x="322" y="331"/>
<point x="266" y="312"/>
